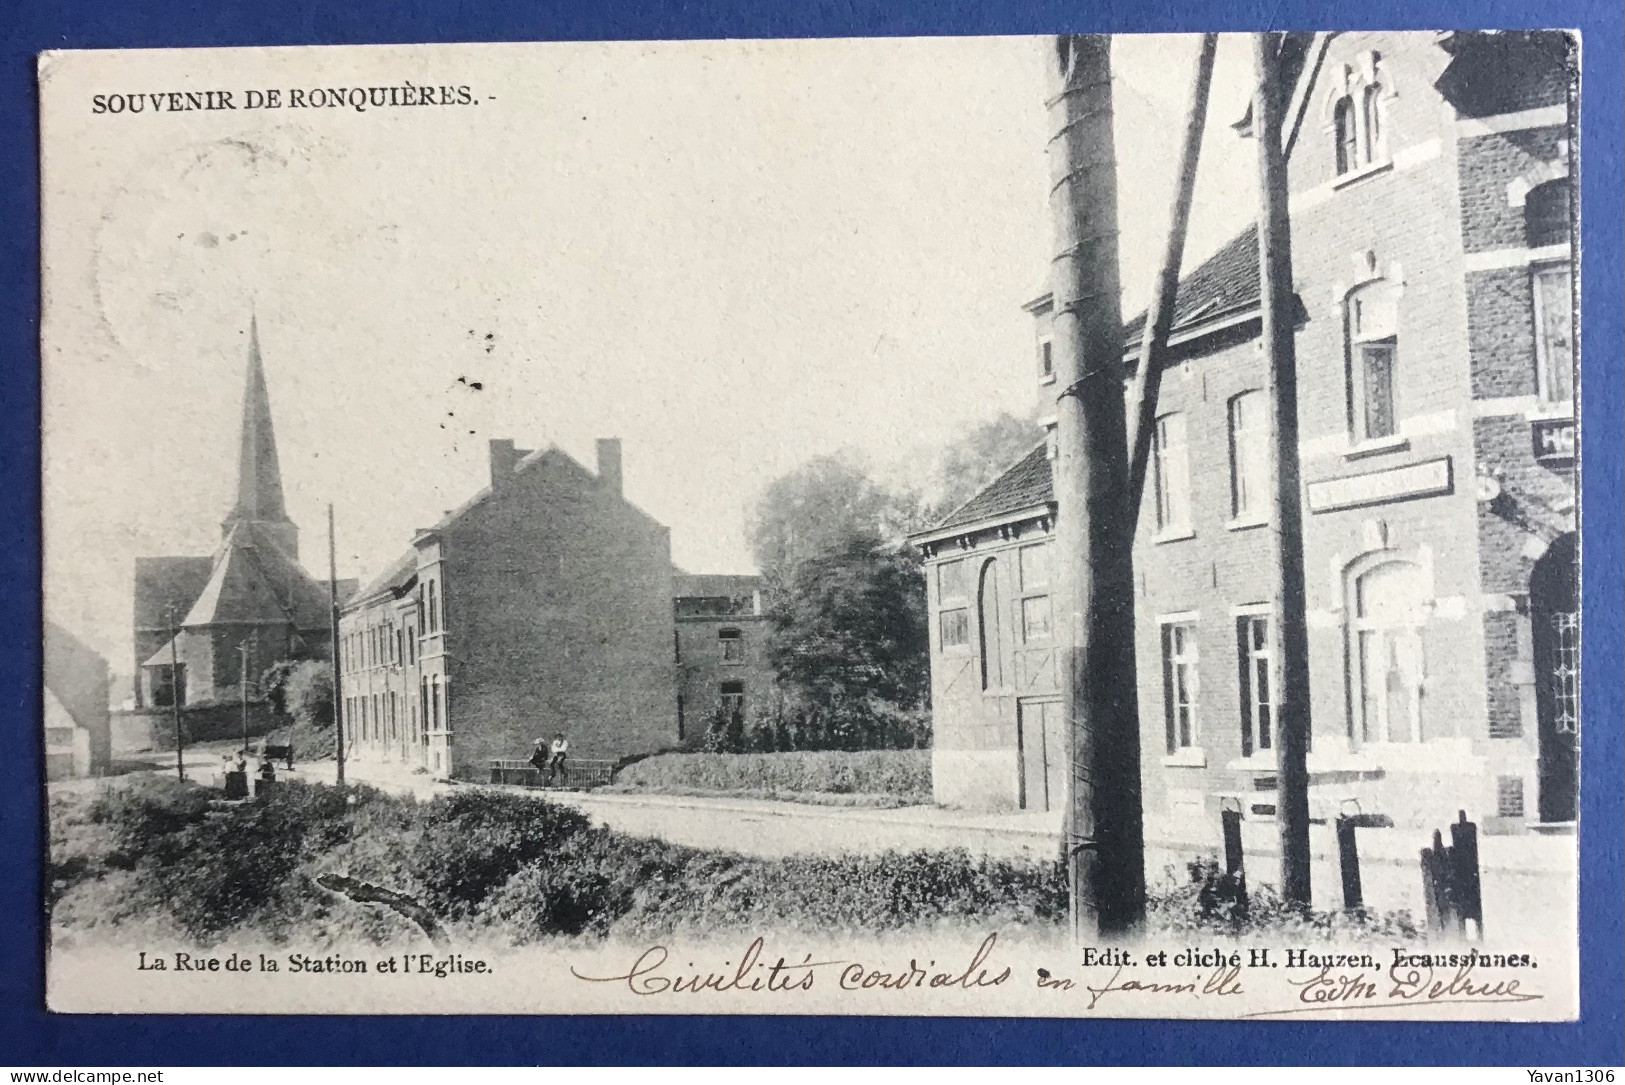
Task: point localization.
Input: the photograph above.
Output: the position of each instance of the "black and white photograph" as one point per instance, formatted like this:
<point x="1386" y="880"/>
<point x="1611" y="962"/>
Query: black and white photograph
<point x="1072" y="526"/>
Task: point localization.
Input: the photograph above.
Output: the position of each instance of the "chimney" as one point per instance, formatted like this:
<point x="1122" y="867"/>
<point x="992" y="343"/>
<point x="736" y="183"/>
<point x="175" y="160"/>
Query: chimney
<point x="609" y="463"/>
<point x="503" y="458"/>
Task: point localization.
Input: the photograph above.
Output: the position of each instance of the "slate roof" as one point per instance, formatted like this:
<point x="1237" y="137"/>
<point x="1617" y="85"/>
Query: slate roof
<point x="161" y="583"/>
<point x="398" y="575"/>
<point x="255" y="583"/>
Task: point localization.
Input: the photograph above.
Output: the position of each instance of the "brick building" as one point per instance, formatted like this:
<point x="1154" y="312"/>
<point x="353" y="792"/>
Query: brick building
<point x="721" y="644"/>
<point x="1433" y="243"/>
<point x="543" y="604"/>
<point x="197" y="620"/>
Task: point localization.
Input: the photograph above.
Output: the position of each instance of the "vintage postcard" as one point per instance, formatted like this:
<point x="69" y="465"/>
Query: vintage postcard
<point x="1077" y="526"/>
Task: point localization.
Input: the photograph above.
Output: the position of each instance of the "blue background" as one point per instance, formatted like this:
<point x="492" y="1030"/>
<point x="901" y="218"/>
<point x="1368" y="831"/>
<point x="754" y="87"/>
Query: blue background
<point x="29" y="1036"/>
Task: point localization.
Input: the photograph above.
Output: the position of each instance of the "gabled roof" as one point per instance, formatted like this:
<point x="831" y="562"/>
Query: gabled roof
<point x="168" y="582"/>
<point x="1026" y="485"/>
<point x="255" y="583"/>
<point x="394" y="579"/>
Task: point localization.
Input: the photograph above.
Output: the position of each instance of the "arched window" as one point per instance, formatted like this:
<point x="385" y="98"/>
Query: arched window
<point x="1546" y="214"/>
<point x="1390" y="665"/>
<point x="1249" y="456"/>
<point x="1371" y="125"/>
<point x="989" y="623"/>
<point x="1345" y="138"/>
<point x="434" y="609"/>
<point x="1372" y="321"/>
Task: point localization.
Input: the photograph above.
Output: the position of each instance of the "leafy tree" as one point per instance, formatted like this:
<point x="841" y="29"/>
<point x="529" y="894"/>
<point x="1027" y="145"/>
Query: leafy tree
<point x="308" y="693"/>
<point x="824" y="506"/>
<point x="979" y="455"/>
<point x="849" y="645"/>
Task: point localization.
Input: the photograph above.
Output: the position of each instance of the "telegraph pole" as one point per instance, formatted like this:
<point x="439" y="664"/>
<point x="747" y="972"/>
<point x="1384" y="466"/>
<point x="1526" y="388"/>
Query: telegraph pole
<point x="1159" y="316"/>
<point x="175" y="694"/>
<point x="242" y="650"/>
<point x="1105" y="843"/>
<point x="333" y="647"/>
<point x="1289" y="633"/>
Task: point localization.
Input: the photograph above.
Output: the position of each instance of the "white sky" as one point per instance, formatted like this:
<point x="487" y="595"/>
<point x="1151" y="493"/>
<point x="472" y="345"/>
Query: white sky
<point x="732" y="255"/>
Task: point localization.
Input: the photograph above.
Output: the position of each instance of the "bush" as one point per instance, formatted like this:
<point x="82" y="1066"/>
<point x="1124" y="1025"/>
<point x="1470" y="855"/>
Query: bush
<point x="1210" y="900"/>
<point x="903" y="773"/>
<point x="145" y="819"/>
<point x="474" y="841"/>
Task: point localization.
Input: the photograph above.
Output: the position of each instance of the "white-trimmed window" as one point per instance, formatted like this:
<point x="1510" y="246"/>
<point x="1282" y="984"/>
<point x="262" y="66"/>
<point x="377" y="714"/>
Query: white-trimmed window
<point x="1547" y="226"/>
<point x="1180" y="684"/>
<point x="731" y="700"/>
<point x="1372" y="319"/>
<point x="1257" y="675"/>
<point x="1037" y="616"/>
<point x="1389" y="657"/>
<point x="953" y="599"/>
<point x="1172" y="478"/>
<point x="732" y="643"/>
<point x="1249" y="456"/>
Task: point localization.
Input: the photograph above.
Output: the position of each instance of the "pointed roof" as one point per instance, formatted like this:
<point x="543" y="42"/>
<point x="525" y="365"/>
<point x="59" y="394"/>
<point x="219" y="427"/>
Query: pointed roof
<point x="254" y="582"/>
<point x="259" y="476"/>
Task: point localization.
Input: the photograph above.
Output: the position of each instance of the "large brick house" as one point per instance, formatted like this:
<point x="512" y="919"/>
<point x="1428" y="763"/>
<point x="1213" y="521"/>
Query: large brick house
<point x="1433" y="245"/>
<point x="541" y="605"/>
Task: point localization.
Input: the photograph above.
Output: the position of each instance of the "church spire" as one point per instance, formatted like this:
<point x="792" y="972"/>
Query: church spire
<point x="259" y="476"/>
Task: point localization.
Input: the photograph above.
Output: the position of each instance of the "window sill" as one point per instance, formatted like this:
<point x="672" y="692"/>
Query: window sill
<point x="1551" y="412"/>
<point x="1261" y="763"/>
<point x="1046" y="379"/>
<point x="1355" y="176"/>
<point x="1377" y="447"/>
<point x="1191" y="757"/>
<point x="1174" y="534"/>
<point x="1243" y="523"/>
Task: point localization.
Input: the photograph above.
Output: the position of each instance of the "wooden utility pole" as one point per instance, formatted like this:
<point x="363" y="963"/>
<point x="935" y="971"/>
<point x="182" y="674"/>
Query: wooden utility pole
<point x="1105" y="842"/>
<point x="1289" y="633"/>
<point x="175" y="694"/>
<point x="333" y="646"/>
<point x="1159" y="316"/>
<point x="242" y="651"/>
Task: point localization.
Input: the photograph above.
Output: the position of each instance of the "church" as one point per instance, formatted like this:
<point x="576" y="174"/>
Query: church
<point x="200" y="621"/>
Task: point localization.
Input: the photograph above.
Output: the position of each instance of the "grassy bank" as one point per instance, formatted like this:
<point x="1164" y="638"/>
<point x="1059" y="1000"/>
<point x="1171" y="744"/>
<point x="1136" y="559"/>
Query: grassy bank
<point x="155" y="857"/>
<point x="861" y="778"/>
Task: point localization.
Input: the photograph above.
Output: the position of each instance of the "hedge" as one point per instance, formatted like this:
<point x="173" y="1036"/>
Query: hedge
<point x="904" y="774"/>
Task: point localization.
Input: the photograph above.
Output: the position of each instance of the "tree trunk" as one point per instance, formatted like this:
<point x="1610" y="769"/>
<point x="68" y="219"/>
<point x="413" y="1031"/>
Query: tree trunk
<point x="1094" y="524"/>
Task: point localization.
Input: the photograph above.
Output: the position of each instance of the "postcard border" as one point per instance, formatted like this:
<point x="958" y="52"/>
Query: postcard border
<point x="29" y="1035"/>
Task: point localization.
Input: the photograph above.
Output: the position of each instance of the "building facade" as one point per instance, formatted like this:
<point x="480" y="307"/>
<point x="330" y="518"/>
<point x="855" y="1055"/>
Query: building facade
<point x="720" y="637"/>
<point x="202" y="623"/>
<point x="542" y="605"/>
<point x="78" y="734"/>
<point x="1433" y="245"/>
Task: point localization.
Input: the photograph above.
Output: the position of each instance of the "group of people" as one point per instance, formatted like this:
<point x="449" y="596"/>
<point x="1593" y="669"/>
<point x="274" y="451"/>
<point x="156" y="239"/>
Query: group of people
<point x="551" y="758"/>
<point x="239" y="763"/>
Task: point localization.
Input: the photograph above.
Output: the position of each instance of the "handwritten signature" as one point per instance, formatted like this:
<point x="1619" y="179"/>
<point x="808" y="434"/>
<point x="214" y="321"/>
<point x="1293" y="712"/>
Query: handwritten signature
<point x="1331" y="990"/>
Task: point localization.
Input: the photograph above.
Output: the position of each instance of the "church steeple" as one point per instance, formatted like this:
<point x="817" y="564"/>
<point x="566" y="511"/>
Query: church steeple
<point x="259" y="476"/>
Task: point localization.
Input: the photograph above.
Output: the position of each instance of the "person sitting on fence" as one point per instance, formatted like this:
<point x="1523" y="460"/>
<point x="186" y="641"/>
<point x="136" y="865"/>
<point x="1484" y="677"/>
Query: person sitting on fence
<point x="556" y="757"/>
<point x="538" y="757"/>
